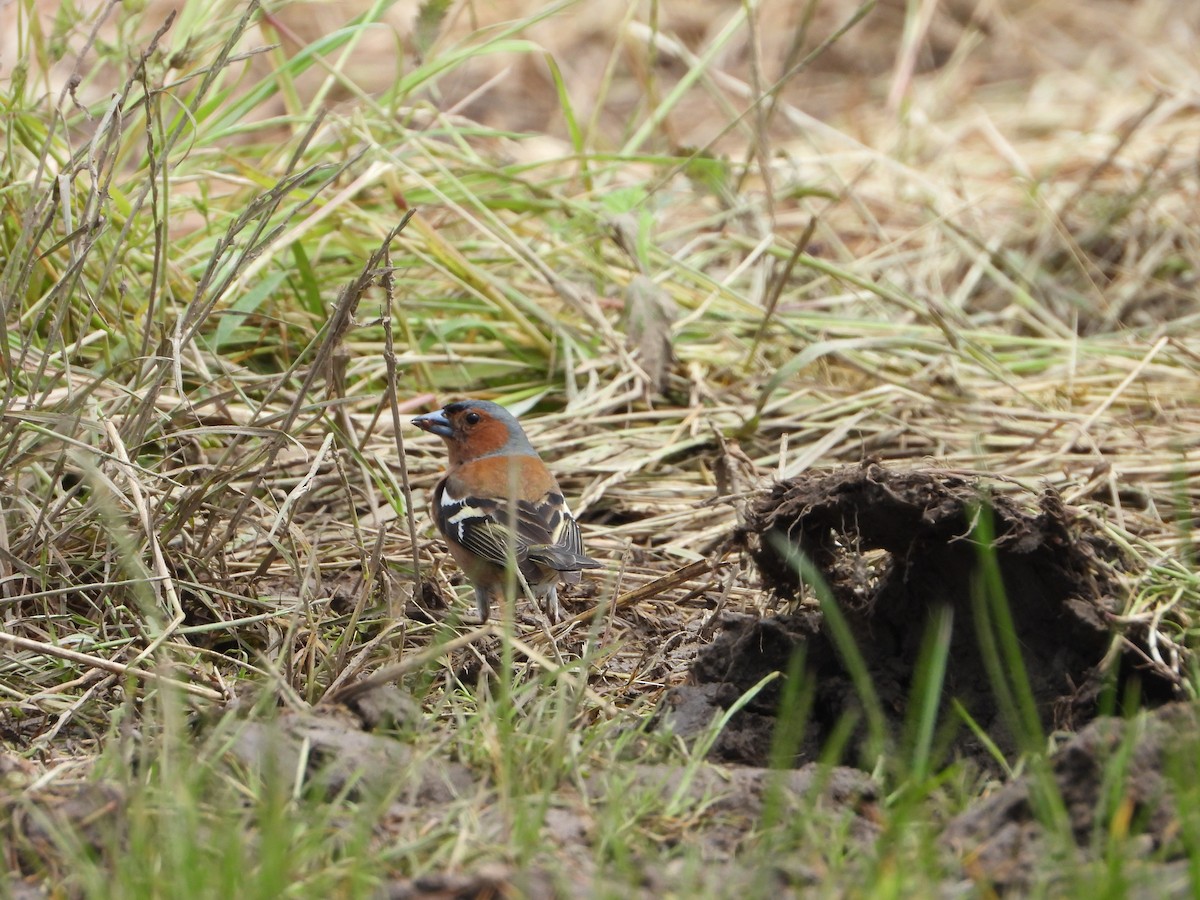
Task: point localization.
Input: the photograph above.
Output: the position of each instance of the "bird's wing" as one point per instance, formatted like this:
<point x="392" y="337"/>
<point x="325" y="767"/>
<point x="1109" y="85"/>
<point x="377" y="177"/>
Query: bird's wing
<point x="562" y="546"/>
<point x="471" y="522"/>
<point x="545" y="531"/>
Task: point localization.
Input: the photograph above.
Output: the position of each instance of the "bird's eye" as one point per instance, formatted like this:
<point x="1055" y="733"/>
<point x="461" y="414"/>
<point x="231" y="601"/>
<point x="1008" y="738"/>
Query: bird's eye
<point x="471" y="418"/>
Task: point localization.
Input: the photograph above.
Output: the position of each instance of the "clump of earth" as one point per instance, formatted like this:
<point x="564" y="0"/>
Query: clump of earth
<point x="900" y="555"/>
<point x="905" y="558"/>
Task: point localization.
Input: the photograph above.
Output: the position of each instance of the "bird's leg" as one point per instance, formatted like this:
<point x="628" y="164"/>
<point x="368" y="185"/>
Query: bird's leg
<point x="483" y="603"/>
<point x="553" y="610"/>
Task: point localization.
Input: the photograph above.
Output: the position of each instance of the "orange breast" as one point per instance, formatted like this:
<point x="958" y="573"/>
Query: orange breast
<point x="501" y="477"/>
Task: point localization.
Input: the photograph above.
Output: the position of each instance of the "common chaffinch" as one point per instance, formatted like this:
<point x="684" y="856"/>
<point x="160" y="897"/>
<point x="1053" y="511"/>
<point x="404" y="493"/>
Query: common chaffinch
<point x="492" y="463"/>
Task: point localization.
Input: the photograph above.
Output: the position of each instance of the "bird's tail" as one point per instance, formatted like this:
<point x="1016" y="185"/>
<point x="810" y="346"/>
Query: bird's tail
<point x="560" y="559"/>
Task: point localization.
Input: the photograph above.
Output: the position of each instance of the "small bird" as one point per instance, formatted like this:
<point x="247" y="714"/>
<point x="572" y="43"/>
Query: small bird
<point x="492" y="463"/>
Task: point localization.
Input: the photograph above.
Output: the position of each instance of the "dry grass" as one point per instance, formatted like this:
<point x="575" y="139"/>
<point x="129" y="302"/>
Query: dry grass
<point x="967" y="241"/>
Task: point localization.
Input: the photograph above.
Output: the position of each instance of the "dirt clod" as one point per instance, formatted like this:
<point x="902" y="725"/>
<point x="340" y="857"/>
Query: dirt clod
<point x="338" y="755"/>
<point x="735" y="801"/>
<point x="1112" y="772"/>
<point x="899" y="552"/>
<point x="487" y="881"/>
<point x="384" y="707"/>
<point x="33" y="818"/>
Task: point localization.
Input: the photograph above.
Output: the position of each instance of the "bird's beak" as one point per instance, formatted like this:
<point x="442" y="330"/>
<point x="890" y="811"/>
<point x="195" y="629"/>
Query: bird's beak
<point x="434" y="423"/>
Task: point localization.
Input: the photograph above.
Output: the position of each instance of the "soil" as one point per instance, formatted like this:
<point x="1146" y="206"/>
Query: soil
<point x="900" y="552"/>
<point x="895" y="548"/>
<point x="896" y="552"/>
<point x="1002" y="843"/>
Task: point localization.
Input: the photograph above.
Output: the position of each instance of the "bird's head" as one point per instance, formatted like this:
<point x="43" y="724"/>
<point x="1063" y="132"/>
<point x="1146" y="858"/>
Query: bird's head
<point x="473" y="429"/>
